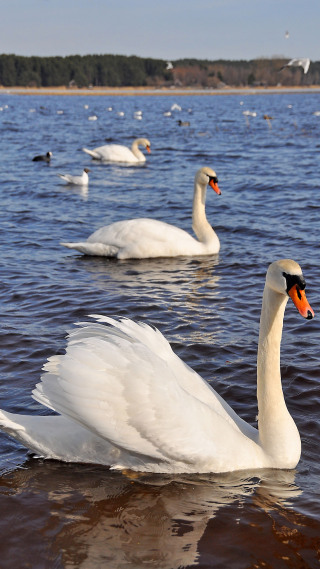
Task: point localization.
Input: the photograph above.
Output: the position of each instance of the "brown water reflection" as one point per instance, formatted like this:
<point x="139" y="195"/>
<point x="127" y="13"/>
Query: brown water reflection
<point x="68" y="516"/>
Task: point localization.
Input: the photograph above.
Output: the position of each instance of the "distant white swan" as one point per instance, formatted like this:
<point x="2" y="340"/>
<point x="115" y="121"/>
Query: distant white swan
<point x="145" y="238"/>
<point x="82" y="180"/>
<point x="119" y="153"/>
<point x="127" y="401"/>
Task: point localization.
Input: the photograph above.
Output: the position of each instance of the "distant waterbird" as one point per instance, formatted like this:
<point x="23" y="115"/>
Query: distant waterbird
<point x="268" y="118"/>
<point x="249" y="114"/>
<point x="42" y="157"/>
<point x="176" y="107"/>
<point x="82" y="180"/>
<point x="303" y="62"/>
<point x="119" y="153"/>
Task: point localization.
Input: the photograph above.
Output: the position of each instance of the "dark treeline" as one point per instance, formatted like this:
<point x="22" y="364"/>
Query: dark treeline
<point x="79" y="71"/>
<point x="122" y="71"/>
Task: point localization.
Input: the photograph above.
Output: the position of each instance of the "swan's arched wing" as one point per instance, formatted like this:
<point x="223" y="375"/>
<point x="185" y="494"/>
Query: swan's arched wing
<point x="122" y="233"/>
<point x="145" y="237"/>
<point x="116" y="152"/>
<point x="126" y="385"/>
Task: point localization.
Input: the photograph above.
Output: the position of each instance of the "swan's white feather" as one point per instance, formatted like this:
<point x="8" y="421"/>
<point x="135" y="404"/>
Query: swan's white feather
<point x="114" y="152"/>
<point x="125" y="385"/>
<point x="120" y="153"/>
<point x="57" y="437"/>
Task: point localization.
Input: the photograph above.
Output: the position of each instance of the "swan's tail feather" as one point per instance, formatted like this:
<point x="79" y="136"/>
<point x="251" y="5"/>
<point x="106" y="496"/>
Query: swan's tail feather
<point x="91" y="153"/>
<point x="8" y="424"/>
<point x="64" y="177"/>
<point x="98" y="249"/>
<point x="59" y="438"/>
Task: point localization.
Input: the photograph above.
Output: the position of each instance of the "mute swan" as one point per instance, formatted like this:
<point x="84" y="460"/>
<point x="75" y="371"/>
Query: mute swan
<point x="82" y="180"/>
<point x="127" y="401"/>
<point x="145" y="238"/>
<point x="119" y="153"/>
<point x="42" y="157"/>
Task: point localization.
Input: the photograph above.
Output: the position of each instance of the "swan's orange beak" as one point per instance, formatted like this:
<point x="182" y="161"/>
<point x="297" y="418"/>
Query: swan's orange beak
<point x="148" y="149"/>
<point x="215" y="187"/>
<point x="300" y="301"/>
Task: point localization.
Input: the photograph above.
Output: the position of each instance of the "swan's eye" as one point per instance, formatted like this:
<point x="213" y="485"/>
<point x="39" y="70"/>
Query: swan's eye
<point x="292" y="280"/>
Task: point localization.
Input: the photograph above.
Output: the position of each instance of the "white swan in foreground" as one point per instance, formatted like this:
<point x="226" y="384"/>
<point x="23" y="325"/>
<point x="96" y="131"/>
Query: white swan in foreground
<point x="127" y="401"/>
<point x="82" y="180"/>
<point x="146" y="238"/>
<point x="119" y="153"/>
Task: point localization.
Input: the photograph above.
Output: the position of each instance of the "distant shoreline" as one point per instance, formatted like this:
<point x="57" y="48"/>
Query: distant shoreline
<point x="153" y="91"/>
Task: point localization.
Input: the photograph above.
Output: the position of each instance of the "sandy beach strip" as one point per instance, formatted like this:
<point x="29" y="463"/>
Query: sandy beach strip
<point x="149" y="91"/>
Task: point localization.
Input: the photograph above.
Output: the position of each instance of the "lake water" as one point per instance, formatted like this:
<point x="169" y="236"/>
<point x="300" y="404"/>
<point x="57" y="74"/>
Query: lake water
<point x="56" y="515"/>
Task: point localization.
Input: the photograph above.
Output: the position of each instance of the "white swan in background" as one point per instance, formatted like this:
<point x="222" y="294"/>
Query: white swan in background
<point x="82" y="180"/>
<point x="127" y="401"/>
<point x="119" y="153"/>
<point x="145" y="238"/>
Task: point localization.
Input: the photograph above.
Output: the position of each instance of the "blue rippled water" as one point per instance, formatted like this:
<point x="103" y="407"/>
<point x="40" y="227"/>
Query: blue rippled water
<point x="67" y="516"/>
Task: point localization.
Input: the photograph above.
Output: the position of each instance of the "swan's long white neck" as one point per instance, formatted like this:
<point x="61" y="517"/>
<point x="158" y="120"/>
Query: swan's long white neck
<point x="136" y="150"/>
<point x="200" y="224"/>
<point x="279" y="436"/>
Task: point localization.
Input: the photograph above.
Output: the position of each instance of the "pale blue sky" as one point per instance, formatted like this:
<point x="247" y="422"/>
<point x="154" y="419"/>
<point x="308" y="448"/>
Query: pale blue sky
<point x="165" y="29"/>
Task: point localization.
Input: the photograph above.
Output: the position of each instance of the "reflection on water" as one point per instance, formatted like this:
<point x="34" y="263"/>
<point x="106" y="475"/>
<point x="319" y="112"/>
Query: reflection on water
<point x="81" y="191"/>
<point x="167" y="274"/>
<point x="179" y="284"/>
<point x="101" y="517"/>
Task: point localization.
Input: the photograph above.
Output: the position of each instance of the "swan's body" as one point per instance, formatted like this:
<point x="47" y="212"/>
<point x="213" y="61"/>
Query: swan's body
<point x="119" y="153"/>
<point x="146" y="238"/>
<point x="127" y="401"/>
<point x="82" y="180"/>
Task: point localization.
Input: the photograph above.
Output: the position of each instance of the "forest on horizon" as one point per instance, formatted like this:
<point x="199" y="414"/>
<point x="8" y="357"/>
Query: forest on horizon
<point x="85" y="71"/>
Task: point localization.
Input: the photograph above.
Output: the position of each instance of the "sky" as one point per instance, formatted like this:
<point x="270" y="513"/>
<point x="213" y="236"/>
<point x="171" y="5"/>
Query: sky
<point x="164" y="29"/>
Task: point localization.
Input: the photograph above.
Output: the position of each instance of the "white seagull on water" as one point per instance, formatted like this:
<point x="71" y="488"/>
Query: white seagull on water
<point x="82" y="180"/>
